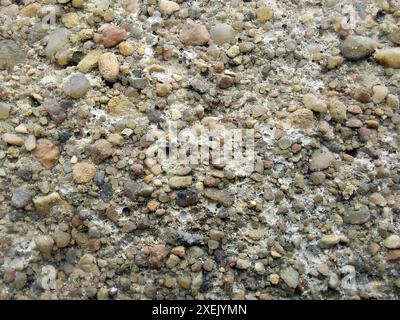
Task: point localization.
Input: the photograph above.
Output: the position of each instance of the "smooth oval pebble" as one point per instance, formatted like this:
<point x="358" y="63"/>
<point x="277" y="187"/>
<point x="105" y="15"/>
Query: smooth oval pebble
<point x="76" y="86"/>
<point x="222" y="33"/>
<point x="389" y="57"/>
<point x="109" y="66"/>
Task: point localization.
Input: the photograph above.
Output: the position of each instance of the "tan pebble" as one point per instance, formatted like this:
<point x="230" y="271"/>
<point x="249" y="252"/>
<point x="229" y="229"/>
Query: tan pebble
<point x="126" y="49"/>
<point x="194" y="35"/>
<point x="264" y="14"/>
<point x="13" y="139"/>
<point x="46" y="152"/>
<point x="109" y="66"/>
<point x="302" y="118"/>
<point x="380" y="93"/>
<point x="178" y="251"/>
<point x="389" y="57"/>
<point x="83" y="172"/>
<point x="90" y="61"/>
<point x="70" y="20"/>
<point x="44" y="244"/>
<point x="168" y="7"/>
<point x="274" y="279"/>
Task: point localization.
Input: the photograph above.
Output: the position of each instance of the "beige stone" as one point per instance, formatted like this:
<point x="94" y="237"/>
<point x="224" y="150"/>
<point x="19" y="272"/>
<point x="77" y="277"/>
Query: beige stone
<point x="389" y="57"/>
<point x="83" y="172"/>
<point x="13" y="139"/>
<point x="90" y="61"/>
<point x="109" y="66"/>
<point x="46" y="152"/>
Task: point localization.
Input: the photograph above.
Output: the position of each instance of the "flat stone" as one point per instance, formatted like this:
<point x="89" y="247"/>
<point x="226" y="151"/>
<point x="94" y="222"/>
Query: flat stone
<point x="187" y="198"/>
<point x="264" y="14"/>
<point x="58" y="40"/>
<point x="311" y="102"/>
<point x="30" y="142"/>
<point x="11" y="54"/>
<point x="291" y="277"/>
<point x="100" y="151"/>
<point x="329" y="241"/>
<point x="44" y="244"/>
<point x="5" y="109"/>
<point x="88" y="264"/>
<point x="242" y="264"/>
<point x="113" y="35"/>
<point x="119" y="106"/>
<point x="168" y="7"/>
<point x="337" y="110"/>
<point x="222" y="33"/>
<point x="178" y="182"/>
<point x="76" y="86"/>
<point x="302" y="118"/>
<point x="61" y="238"/>
<point x="222" y="197"/>
<point x="13" y="139"/>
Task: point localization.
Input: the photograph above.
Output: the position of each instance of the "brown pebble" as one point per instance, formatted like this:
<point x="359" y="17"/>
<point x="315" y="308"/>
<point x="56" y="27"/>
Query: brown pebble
<point x="113" y="35"/>
<point x="46" y="152"/>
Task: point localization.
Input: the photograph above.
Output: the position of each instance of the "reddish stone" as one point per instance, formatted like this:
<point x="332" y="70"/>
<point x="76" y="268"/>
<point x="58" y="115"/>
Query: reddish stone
<point x="218" y="67"/>
<point x="54" y="109"/>
<point x="113" y="35"/>
<point x="296" y="148"/>
<point x="210" y="182"/>
<point x="225" y="81"/>
<point x="157" y="256"/>
<point x="3" y="93"/>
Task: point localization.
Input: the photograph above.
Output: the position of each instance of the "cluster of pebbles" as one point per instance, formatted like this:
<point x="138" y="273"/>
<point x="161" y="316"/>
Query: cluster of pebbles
<point x="86" y="211"/>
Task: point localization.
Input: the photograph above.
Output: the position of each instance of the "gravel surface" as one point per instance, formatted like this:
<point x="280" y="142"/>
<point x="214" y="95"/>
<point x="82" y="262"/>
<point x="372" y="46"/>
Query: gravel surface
<point x="87" y="88"/>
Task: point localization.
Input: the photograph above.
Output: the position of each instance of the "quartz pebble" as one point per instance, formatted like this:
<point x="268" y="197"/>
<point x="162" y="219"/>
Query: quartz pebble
<point x="222" y="33"/>
<point x="76" y="86"/>
<point x="5" y="109"/>
<point x="58" y="41"/>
